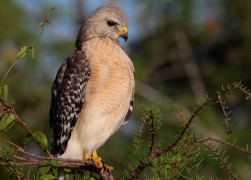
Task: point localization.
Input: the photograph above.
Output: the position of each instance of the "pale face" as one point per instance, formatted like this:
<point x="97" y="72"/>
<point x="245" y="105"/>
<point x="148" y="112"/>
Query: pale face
<point x="105" y="22"/>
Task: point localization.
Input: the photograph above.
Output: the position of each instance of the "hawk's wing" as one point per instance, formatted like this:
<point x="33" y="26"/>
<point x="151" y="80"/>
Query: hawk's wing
<point x="67" y="99"/>
<point x="130" y="109"/>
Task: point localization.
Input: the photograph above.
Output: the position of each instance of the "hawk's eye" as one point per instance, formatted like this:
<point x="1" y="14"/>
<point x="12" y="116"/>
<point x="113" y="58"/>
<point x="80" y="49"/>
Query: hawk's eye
<point x="111" y="23"/>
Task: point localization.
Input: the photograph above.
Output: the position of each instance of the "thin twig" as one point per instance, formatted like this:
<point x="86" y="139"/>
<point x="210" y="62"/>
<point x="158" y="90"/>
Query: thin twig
<point x="152" y="134"/>
<point x="223" y="163"/>
<point x="17" y="148"/>
<point x="30" y="133"/>
<point x="138" y="135"/>
<point x="225" y="143"/>
<point x="228" y="131"/>
<point x="201" y="140"/>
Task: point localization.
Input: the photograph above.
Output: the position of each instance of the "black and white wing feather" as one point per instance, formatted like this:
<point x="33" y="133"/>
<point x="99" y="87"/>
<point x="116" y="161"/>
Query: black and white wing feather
<point x="67" y="99"/>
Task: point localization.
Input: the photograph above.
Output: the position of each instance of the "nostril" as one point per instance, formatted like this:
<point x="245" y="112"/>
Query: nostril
<point x="124" y="29"/>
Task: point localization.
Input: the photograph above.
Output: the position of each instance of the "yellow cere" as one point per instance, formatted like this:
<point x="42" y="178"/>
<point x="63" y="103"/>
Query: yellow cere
<point x="124" y="29"/>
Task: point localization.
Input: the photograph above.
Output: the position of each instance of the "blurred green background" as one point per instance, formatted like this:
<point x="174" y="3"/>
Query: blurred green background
<point x="183" y="50"/>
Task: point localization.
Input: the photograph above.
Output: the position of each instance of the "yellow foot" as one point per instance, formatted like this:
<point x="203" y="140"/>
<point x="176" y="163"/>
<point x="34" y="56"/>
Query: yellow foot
<point x="97" y="160"/>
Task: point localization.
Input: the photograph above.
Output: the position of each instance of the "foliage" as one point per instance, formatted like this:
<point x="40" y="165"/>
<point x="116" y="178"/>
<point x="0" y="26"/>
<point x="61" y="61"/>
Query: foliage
<point x="183" y="156"/>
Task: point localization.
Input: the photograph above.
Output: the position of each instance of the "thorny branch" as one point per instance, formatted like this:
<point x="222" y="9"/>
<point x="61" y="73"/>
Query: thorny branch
<point x="143" y="163"/>
<point x="138" y="135"/>
<point x="204" y="139"/>
<point x="152" y="133"/>
<point x="223" y="107"/>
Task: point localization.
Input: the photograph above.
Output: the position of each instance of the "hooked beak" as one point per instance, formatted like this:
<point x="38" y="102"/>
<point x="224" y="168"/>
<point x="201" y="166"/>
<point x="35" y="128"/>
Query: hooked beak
<point x="124" y="33"/>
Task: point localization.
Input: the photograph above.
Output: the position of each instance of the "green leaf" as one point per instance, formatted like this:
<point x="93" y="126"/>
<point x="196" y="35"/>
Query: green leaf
<point x="55" y="163"/>
<point x="4" y="92"/>
<point x="71" y="176"/>
<point x="41" y="139"/>
<point x="55" y="171"/>
<point x="22" y="52"/>
<point x="44" y="169"/>
<point x="33" y="52"/>
<point x="48" y="177"/>
<point x="44" y="162"/>
<point x="67" y="170"/>
<point x="6" y="121"/>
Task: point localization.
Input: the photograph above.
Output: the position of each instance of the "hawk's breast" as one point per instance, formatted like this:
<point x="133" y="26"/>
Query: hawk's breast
<point x="108" y="93"/>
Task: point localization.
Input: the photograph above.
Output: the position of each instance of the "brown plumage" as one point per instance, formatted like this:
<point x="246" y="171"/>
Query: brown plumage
<point x="92" y="95"/>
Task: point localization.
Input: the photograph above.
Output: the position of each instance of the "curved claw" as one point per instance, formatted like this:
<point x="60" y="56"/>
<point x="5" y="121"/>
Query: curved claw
<point x="109" y="168"/>
<point x="97" y="160"/>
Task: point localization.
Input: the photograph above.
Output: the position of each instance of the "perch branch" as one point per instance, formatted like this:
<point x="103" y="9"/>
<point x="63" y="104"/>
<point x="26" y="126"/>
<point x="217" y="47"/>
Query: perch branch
<point x="35" y="160"/>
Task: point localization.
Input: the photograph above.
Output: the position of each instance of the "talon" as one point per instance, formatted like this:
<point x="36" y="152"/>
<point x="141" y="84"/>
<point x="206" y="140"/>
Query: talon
<point x="109" y="168"/>
<point x="97" y="160"/>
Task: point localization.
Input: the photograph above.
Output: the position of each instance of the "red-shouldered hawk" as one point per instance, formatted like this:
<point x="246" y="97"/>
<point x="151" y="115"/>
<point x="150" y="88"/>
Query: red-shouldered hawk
<point x="92" y="95"/>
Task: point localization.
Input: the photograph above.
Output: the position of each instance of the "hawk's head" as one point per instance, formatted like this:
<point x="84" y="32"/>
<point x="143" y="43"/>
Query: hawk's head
<point x="105" y="21"/>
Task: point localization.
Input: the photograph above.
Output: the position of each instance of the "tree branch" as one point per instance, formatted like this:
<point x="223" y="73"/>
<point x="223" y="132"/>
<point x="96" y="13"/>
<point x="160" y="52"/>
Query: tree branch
<point x="159" y="152"/>
<point x="35" y="160"/>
